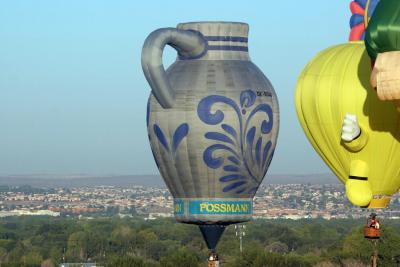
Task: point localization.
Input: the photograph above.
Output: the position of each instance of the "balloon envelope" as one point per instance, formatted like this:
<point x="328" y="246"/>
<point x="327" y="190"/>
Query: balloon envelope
<point x="337" y="82"/>
<point x="213" y="147"/>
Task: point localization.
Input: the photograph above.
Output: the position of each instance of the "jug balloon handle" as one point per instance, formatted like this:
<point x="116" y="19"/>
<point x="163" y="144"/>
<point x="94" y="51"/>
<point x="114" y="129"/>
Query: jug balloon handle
<point x="189" y="44"/>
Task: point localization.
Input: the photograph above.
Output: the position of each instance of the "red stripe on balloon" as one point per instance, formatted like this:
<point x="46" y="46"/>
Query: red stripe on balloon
<point x="356" y="32"/>
<point x="356" y="9"/>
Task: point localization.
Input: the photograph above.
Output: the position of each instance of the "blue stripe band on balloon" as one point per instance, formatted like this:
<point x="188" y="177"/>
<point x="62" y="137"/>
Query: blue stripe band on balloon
<point x="226" y="39"/>
<point x="179" y="208"/>
<point x="362" y="3"/>
<point x="228" y="48"/>
<point x="202" y="207"/>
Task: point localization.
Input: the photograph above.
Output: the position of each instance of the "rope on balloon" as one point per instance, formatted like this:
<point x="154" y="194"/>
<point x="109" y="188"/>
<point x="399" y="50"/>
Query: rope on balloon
<point x="362" y="11"/>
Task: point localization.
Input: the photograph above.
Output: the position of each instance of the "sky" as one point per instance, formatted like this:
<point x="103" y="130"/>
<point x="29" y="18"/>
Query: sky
<point x="73" y="95"/>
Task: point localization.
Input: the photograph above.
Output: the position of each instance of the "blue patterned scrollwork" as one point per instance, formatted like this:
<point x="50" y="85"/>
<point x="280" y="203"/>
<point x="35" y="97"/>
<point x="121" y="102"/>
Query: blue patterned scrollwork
<point x="180" y="133"/>
<point x="248" y="150"/>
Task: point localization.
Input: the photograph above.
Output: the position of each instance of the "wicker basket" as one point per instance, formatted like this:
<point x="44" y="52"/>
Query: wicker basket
<point x="371" y="232"/>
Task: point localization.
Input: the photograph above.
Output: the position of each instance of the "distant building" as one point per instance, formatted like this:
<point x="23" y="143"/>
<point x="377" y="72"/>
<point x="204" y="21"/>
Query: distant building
<point x="153" y="216"/>
<point x="87" y="264"/>
<point x="24" y="212"/>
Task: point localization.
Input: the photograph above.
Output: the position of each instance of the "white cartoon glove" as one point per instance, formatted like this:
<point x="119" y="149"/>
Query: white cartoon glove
<point x="350" y="128"/>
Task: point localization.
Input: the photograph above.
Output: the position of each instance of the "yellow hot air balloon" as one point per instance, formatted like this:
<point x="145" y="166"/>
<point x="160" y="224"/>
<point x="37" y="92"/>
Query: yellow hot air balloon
<point x="337" y="82"/>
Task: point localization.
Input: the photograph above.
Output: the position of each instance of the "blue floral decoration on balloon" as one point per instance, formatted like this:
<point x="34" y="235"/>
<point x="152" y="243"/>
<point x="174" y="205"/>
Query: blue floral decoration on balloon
<point x="149" y="136"/>
<point x="248" y="153"/>
<point x="180" y="133"/>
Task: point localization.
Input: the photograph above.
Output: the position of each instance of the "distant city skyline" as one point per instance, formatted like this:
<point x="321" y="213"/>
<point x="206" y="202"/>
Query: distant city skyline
<point x="51" y="180"/>
<point x="273" y="201"/>
<point x="73" y="96"/>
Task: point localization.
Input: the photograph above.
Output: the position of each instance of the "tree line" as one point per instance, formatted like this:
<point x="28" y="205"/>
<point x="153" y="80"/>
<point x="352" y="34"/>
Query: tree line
<point x="47" y="242"/>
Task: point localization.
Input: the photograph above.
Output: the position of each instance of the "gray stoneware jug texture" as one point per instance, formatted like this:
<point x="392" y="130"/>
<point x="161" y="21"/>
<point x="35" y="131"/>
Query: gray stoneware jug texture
<point x="212" y="120"/>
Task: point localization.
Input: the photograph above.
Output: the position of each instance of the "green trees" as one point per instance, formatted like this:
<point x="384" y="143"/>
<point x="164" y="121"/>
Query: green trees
<point x="181" y="258"/>
<point x="277" y="247"/>
<point x="77" y="246"/>
<point x="261" y="258"/>
<point x="47" y="263"/>
<point x="134" y="242"/>
<point x="31" y="259"/>
<point x="128" y="261"/>
<point x="356" y="247"/>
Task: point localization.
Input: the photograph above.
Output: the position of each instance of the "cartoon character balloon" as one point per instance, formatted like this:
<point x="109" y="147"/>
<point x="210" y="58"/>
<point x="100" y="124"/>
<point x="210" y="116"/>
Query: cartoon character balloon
<point x="382" y="41"/>
<point x="356" y="134"/>
<point x="212" y="121"/>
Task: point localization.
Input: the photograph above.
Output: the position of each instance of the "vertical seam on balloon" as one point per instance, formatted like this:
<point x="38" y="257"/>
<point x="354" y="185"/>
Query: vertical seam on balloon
<point x="335" y="118"/>
<point x="181" y="173"/>
<point x="191" y="165"/>
<point x="304" y="117"/>
<point x="326" y="64"/>
<point x="171" y="170"/>
<point x="346" y="64"/>
<point x="176" y="171"/>
<point x="392" y="150"/>
<point x="306" y="124"/>
<point x="394" y="20"/>
<point x="398" y="172"/>
<point x="331" y="90"/>
<point x="395" y="139"/>
<point x="392" y="145"/>
<point x="211" y="172"/>
<point x="162" y="166"/>
<point x="366" y="17"/>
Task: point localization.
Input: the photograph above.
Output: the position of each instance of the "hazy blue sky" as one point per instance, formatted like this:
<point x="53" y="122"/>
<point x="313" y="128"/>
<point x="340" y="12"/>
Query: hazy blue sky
<point x="72" y="92"/>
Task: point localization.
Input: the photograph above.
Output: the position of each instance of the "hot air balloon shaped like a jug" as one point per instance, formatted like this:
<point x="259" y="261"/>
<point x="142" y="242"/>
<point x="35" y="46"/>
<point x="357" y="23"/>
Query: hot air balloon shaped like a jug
<point x="212" y="121"/>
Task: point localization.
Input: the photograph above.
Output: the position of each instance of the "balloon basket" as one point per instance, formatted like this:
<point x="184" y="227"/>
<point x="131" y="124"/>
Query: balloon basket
<point x="371" y="233"/>
<point x="213" y="260"/>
